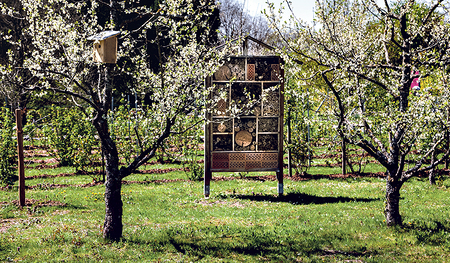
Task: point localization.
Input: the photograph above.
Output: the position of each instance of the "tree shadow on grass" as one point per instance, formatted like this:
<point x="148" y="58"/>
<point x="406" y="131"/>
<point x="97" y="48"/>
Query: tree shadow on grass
<point x="296" y="198"/>
<point x="260" y="242"/>
<point x="430" y="232"/>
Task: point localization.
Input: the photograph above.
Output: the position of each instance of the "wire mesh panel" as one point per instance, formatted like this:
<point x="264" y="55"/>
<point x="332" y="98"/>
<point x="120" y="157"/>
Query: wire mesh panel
<point x="269" y="160"/>
<point x="220" y="161"/>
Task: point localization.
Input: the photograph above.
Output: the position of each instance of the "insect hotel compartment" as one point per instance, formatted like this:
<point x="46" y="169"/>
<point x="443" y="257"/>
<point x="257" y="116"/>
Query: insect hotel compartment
<point x="245" y="134"/>
<point x="265" y="69"/>
<point x="222" y="126"/>
<point x="232" y="69"/>
<point x="222" y="142"/>
<point x="268" y="125"/>
<point x="271" y="101"/>
<point x="220" y="100"/>
<point x="246" y="97"/>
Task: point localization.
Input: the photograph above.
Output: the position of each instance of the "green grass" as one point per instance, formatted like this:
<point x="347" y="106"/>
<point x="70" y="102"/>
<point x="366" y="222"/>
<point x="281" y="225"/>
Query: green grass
<point x="243" y="220"/>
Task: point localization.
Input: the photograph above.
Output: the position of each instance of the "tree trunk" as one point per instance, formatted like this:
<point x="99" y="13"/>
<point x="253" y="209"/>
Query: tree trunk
<point x="431" y="175"/>
<point x="112" y="228"/>
<point x="344" y="156"/>
<point x="392" y="211"/>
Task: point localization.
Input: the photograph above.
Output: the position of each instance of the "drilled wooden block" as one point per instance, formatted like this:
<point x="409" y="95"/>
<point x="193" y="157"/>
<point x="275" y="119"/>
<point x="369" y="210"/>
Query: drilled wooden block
<point x="251" y="72"/>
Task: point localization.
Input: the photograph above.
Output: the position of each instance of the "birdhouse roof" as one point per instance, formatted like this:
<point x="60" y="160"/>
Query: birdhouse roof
<point x="103" y="35"/>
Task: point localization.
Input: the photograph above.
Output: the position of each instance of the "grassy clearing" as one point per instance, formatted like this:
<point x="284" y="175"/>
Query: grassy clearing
<point x="317" y="220"/>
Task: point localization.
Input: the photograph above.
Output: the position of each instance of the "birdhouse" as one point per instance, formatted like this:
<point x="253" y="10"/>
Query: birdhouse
<point x="105" y="46"/>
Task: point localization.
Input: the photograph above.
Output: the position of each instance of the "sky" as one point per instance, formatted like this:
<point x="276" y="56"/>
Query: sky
<point x="303" y="9"/>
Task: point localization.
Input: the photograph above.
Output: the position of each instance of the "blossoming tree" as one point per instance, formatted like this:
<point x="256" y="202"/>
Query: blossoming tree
<point x="368" y="55"/>
<point x="60" y="61"/>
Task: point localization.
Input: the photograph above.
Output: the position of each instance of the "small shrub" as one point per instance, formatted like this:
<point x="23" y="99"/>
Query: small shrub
<point x="7" y="149"/>
<point x="72" y="140"/>
<point x="188" y="143"/>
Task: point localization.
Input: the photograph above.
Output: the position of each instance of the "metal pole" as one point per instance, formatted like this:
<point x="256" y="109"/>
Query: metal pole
<point x="21" y="167"/>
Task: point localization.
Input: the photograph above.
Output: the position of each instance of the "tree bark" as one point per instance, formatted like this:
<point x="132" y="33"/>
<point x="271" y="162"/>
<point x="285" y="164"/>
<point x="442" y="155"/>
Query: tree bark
<point x="431" y="175"/>
<point x="112" y="228"/>
<point x="344" y="156"/>
<point x="392" y="211"/>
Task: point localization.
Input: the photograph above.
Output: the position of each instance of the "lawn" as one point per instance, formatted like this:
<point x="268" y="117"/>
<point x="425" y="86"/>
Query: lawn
<point x="317" y="220"/>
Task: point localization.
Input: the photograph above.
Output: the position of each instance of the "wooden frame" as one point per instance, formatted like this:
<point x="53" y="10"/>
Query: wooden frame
<point x="254" y="140"/>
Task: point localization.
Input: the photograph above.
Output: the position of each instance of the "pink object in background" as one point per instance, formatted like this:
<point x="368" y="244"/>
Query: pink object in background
<point x="415" y="85"/>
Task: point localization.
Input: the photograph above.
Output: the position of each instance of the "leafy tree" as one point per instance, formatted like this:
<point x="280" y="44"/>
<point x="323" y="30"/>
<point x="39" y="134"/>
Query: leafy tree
<point x="12" y="41"/>
<point x="355" y="58"/>
<point x="61" y="62"/>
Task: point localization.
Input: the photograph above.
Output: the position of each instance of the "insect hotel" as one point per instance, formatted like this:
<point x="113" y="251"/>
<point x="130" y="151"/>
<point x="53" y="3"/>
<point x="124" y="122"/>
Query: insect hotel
<point x="244" y="131"/>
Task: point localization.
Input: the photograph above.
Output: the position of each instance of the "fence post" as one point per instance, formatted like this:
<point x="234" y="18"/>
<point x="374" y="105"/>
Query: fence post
<point x="289" y="139"/>
<point x="344" y="156"/>
<point x="21" y="167"/>
<point x="207" y="149"/>
<point x="447" y="139"/>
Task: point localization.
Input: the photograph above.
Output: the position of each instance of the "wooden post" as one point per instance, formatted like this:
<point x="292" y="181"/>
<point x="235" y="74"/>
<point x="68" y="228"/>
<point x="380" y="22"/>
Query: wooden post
<point x="207" y="148"/>
<point x="21" y="167"/>
<point x="344" y="156"/>
<point x="447" y="135"/>
<point x="289" y="139"/>
<point x="280" y="139"/>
